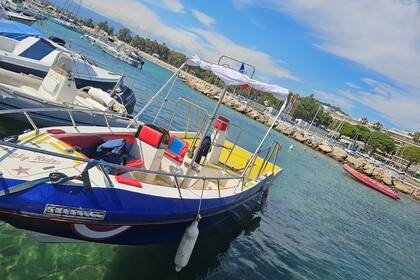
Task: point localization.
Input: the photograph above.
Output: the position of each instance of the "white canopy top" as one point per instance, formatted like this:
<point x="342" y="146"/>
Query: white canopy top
<point x="232" y="77"/>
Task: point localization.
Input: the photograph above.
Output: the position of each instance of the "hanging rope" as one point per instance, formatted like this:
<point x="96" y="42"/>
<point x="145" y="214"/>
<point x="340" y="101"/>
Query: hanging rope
<point x="198" y="217"/>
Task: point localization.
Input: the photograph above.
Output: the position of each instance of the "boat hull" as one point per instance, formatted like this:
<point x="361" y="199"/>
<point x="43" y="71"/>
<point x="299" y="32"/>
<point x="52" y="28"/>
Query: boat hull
<point x="42" y="71"/>
<point x="55" y="114"/>
<point x="370" y="182"/>
<point x="154" y="220"/>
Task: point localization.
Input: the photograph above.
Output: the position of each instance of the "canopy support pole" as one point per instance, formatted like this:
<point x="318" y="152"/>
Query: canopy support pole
<point x="157" y="94"/>
<point x="206" y="130"/>
<point x="263" y="140"/>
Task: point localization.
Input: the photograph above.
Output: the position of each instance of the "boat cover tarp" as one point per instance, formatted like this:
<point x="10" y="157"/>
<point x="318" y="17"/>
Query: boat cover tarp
<point x="38" y="50"/>
<point x="232" y="77"/>
<point x="17" y="30"/>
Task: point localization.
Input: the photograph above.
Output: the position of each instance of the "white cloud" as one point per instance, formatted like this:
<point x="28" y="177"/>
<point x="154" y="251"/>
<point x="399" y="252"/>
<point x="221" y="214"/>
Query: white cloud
<point x="189" y="40"/>
<point x="334" y="99"/>
<point x="172" y="5"/>
<point x="382" y="35"/>
<point x="203" y="18"/>
<point x="398" y="107"/>
<point x="352" y="85"/>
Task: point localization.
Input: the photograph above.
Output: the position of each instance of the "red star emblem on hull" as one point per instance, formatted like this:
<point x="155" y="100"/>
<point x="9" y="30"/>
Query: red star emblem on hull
<point x="21" y="170"/>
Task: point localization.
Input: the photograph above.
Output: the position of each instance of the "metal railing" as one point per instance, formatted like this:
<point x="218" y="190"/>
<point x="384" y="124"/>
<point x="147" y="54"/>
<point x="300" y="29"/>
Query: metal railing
<point x="101" y="164"/>
<point x="70" y="111"/>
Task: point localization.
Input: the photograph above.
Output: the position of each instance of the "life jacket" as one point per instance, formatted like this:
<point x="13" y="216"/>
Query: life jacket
<point x="112" y="151"/>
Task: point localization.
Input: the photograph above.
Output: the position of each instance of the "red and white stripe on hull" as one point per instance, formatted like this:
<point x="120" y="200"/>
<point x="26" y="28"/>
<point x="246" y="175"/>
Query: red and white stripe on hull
<point x="98" y="232"/>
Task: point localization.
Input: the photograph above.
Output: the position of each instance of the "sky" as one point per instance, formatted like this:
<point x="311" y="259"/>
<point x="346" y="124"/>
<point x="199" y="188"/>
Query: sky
<point x="361" y="55"/>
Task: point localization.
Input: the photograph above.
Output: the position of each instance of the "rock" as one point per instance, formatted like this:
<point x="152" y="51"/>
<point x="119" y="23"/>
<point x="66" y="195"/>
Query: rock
<point x="368" y="169"/>
<point x="228" y="104"/>
<point x="314" y="142"/>
<point x="262" y="119"/>
<point x="416" y="194"/>
<point x="325" y="148"/>
<point x="299" y="136"/>
<point x="351" y="160"/>
<point x="269" y="121"/>
<point x="253" y="114"/>
<point x="377" y="174"/>
<point x="387" y="179"/>
<point x="402" y="187"/>
<point x="289" y="131"/>
<point x="338" y="154"/>
<point x="241" y="109"/>
<point x="359" y="163"/>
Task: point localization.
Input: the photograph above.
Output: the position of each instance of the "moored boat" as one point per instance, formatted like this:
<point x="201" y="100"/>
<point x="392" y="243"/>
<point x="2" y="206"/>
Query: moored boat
<point x="370" y="182"/>
<point x="113" y="50"/>
<point x="18" y="16"/>
<point x="25" y="50"/>
<point x="136" y="185"/>
<point x="57" y="93"/>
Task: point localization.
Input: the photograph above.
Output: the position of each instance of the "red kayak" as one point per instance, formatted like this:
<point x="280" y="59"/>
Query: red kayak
<point x="370" y="182"/>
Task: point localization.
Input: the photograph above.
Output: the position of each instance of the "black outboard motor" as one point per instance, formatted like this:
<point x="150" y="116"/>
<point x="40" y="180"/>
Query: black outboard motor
<point x="125" y="96"/>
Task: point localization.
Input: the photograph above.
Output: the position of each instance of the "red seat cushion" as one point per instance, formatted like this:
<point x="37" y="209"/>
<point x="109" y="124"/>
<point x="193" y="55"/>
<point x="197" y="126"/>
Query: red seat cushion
<point x="135" y="162"/>
<point x="131" y="162"/>
<point x="128" y="181"/>
<point x="150" y="136"/>
<point x="174" y="156"/>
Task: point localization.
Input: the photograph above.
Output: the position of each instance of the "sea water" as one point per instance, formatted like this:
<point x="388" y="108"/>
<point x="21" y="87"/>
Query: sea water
<point x="317" y="222"/>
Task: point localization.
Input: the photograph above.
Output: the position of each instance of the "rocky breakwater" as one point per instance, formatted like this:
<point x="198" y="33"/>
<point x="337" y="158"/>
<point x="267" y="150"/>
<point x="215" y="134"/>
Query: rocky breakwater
<point x="230" y="100"/>
<point x="381" y="174"/>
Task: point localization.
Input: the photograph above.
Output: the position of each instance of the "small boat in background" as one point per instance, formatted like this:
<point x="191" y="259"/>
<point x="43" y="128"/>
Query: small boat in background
<point x="110" y="48"/>
<point x="19" y="17"/>
<point x="370" y="182"/>
<point x="23" y="8"/>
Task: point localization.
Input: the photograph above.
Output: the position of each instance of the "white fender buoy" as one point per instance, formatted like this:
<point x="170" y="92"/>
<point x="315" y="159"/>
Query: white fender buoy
<point x="186" y="246"/>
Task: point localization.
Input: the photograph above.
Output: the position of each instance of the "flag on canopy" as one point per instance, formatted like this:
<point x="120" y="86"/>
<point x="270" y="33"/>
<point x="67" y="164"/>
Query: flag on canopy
<point x="242" y="71"/>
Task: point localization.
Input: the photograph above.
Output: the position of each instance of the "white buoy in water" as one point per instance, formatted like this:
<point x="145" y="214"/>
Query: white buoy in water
<point x="291" y="147"/>
<point x="186" y="246"/>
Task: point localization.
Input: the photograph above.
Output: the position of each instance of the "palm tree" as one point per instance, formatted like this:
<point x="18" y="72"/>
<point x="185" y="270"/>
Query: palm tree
<point x="377" y="126"/>
<point x="363" y="121"/>
<point x="416" y="137"/>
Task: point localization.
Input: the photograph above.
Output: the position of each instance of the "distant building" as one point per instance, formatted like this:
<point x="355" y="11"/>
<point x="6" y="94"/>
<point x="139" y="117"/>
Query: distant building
<point x="327" y="109"/>
<point x="400" y="137"/>
<point x="341" y="117"/>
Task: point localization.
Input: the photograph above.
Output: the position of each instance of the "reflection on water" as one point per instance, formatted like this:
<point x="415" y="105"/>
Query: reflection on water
<point x="21" y="255"/>
<point x="157" y="261"/>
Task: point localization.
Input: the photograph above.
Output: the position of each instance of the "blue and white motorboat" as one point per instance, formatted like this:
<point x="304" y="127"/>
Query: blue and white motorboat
<point x="25" y="50"/>
<point x="140" y="185"/>
<point x="113" y="50"/>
